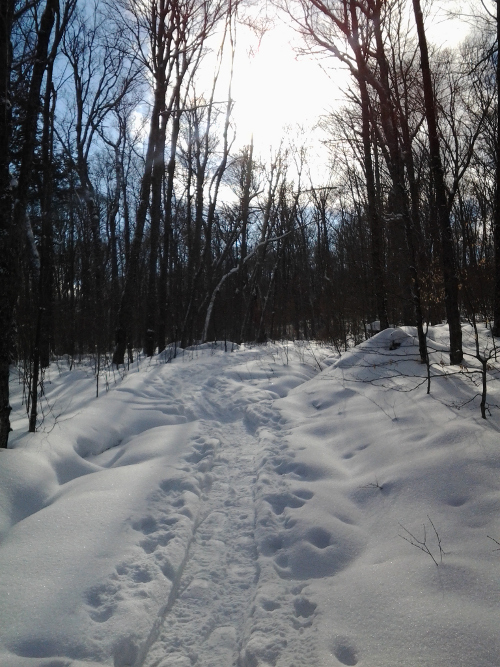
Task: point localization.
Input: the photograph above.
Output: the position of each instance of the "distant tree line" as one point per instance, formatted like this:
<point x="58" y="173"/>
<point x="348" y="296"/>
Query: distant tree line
<point x="128" y="219"/>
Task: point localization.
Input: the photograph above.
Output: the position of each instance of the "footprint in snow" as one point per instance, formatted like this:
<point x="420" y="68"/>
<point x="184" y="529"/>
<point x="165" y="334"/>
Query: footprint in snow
<point x="149" y="545"/>
<point x="345" y="652"/>
<point x="304" y="607"/>
<point x="303" y="613"/>
<point x="298" y="471"/>
<point x="146" y="525"/>
<point x="280" y="501"/>
<point x="351" y="454"/>
<point x="270" y="544"/>
<point x="258" y="415"/>
<point x="101" y="599"/>
<point x="269" y="605"/>
<point x="125" y="652"/>
<point x="315" y="554"/>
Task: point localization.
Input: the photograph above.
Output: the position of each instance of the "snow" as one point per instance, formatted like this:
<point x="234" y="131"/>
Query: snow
<point x="246" y="506"/>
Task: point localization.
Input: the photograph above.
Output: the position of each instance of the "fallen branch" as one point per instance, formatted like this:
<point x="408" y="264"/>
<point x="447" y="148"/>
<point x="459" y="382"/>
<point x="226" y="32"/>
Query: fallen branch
<point x="226" y="276"/>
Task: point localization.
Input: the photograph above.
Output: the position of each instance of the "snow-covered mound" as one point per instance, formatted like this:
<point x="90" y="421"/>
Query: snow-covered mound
<point x="256" y="506"/>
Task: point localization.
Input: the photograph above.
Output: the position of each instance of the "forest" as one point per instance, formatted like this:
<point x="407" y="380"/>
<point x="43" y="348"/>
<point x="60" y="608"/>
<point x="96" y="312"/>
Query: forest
<point x="130" y="218"/>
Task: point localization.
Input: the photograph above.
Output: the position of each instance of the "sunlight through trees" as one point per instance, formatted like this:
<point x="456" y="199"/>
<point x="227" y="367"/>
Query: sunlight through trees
<point x="135" y="214"/>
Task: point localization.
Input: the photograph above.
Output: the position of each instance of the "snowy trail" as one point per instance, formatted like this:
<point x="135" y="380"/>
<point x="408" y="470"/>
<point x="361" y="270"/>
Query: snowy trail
<point x="219" y="611"/>
<point x="206" y="617"/>
<point x="199" y="526"/>
<point x="241" y="509"/>
<point x="169" y="510"/>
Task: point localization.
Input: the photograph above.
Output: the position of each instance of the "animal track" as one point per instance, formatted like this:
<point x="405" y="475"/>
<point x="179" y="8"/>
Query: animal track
<point x="147" y="525"/>
<point x="271" y="544"/>
<point x="168" y="570"/>
<point x="350" y="455"/>
<point x="279" y="502"/>
<point x="136" y="573"/>
<point x="303" y="493"/>
<point x="282" y="561"/>
<point x="319" y="537"/>
<point x="270" y="605"/>
<point x="102" y="599"/>
<point x="102" y="615"/>
<point x="304" y="607"/>
<point x="298" y="471"/>
<point x="316" y="555"/>
<point x="203" y="451"/>
<point x="345" y="652"/>
<point x="125" y="653"/>
<point x="149" y="546"/>
<point x="178" y="485"/>
<point x="457" y="501"/>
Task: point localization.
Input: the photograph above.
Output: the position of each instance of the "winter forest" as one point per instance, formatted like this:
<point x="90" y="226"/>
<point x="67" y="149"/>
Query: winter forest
<point x="249" y="377"/>
<point x="130" y="220"/>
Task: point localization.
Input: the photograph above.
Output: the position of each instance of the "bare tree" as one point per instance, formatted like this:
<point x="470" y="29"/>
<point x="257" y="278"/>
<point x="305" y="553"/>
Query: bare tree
<point x="443" y="215"/>
<point x="8" y="256"/>
<point x="176" y="32"/>
<point x="336" y="28"/>
<point x="42" y="337"/>
<point x="104" y="74"/>
<point x="14" y="220"/>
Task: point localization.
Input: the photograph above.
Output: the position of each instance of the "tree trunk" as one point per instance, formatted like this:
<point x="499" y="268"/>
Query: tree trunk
<point x="373" y="216"/>
<point x="162" y="291"/>
<point x="274" y="177"/>
<point x="154" y="236"/>
<point x="13" y="221"/>
<point x="113" y="240"/>
<point x="496" y="221"/>
<point x="9" y="253"/>
<point x="32" y="110"/>
<point x="47" y="240"/>
<point x="125" y="313"/>
<point x="447" y="250"/>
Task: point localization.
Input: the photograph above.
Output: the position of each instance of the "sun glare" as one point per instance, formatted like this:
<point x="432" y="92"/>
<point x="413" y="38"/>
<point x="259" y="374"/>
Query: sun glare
<point x="275" y="89"/>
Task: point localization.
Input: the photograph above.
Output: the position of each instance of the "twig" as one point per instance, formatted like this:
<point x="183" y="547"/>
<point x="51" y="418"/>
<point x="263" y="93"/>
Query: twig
<point x="441" y="552"/>
<point x="372" y="485"/>
<point x="495" y="541"/>
<point x="422" y="544"/>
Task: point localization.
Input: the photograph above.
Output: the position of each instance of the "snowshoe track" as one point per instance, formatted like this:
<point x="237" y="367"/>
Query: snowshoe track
<point x="202" y="622"/>
<point x="220" y="585"/>
<point x="231" y="604"/>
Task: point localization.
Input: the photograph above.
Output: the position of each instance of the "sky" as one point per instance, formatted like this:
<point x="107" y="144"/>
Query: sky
<point x="276" y="88"/>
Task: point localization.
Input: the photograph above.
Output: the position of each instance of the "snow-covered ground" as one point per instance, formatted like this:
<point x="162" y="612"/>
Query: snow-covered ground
<point x="247" y="508"/>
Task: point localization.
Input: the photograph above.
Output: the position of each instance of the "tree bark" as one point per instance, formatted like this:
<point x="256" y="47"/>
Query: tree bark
<point x="32" y="110"/>
<point x="169" y="198"/>
<point x="496" y="221"/>
<point x="14" y="220"/>
<point x="373" y="215"/>
<point x="125" y="313"/>
<point x="8" y="236"/>
<point x="396" y="163"/>
<point x="154" y="236"/>
<point x="448" y="262"/>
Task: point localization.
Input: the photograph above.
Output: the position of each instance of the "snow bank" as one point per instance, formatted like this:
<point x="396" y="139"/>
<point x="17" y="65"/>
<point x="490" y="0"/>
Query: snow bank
<point x="268" y="505"/>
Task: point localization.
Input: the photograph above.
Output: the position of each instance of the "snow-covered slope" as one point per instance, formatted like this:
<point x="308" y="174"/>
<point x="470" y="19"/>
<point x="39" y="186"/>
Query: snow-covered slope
<point x="247" y="507"/>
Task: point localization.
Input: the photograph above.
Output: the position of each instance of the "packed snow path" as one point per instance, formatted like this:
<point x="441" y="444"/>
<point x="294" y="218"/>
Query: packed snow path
<point x="180" y="455"/>
<point x="218" y="611"/>
<point x="204" y="618"/>
<point x="241" y="508"/>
